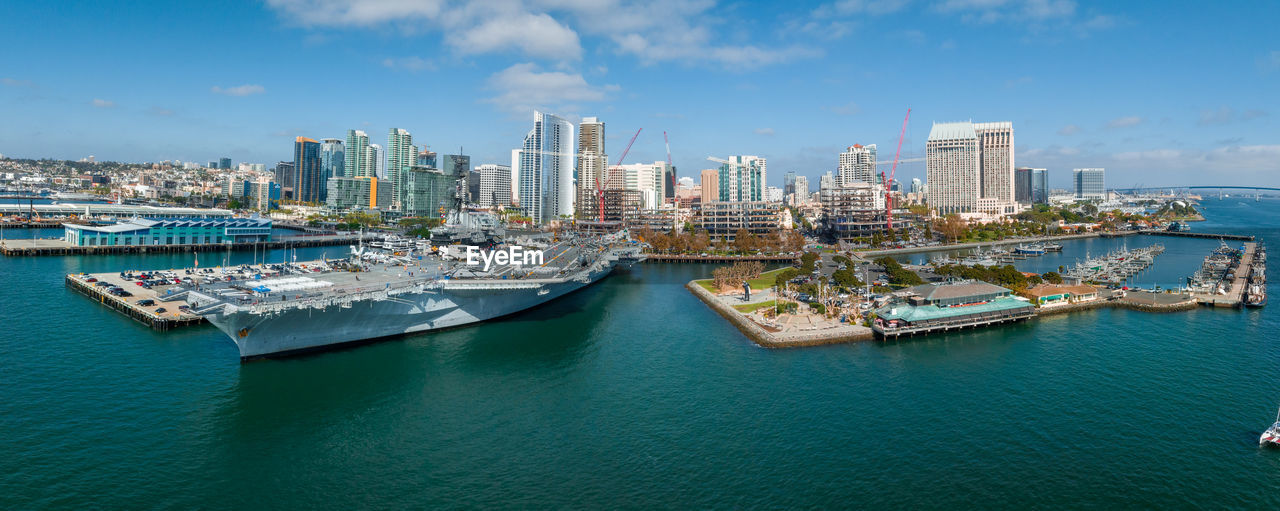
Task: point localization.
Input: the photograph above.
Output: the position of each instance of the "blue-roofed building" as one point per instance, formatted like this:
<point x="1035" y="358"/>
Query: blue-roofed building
<point x="948" y="306"/>
<point x="184" y="231"/>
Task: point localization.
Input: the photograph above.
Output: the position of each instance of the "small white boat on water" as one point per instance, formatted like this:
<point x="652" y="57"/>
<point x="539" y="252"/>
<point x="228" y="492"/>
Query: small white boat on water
<point x="1271" y="437"/>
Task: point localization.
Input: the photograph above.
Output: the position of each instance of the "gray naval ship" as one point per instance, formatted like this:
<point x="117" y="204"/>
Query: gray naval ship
<point x="375" y="294"/>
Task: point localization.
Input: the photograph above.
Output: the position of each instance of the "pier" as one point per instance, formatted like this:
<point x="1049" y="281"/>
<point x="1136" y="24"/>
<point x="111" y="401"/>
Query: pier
<point x="173" y="317"/>
<point x="1234" y="285"/>
<point x="662" y="258"/>
<point x="52" y="247"/>
<point x="1203" y="235"/>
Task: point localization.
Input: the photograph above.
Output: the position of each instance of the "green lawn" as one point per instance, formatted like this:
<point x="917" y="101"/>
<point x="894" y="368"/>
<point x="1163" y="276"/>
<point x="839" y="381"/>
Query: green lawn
<point x="764" y="281"/>
<point x="752" y="307"/>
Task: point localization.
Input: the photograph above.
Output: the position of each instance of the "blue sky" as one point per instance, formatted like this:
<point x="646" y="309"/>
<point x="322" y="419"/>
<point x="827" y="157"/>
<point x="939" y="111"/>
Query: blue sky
<point x="1159" y="93"/>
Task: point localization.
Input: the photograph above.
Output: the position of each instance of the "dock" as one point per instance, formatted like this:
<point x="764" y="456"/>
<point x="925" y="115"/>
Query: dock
<point x="665" y="258"/>
<point x="57" y="247"/>
<point x="173" y="317"/>
<point x="1239" y="273"/>
<point x="1202" y="235"/>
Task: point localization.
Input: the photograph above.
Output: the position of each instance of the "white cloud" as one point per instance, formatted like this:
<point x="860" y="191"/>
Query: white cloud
<point x="535" y="35"/>
<point x="1069" y="130"/>
<point x="162" y="112"/>
<point x="1124" y="122"/>
<point x="14" y="82"/>
<point x="768" y="132"/>
<point x="991" y="11"/>
<point x="102" y="103"/>
<point x="239" y="90"/>
<point x="413" y="64"/>
<point x="524" y="87"/>
<point x="653" y="31"/>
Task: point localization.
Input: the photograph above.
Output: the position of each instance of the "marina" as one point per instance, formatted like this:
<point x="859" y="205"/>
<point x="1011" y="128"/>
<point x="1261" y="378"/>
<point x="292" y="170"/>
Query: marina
<point x="1227" y="275"/>
<point x="1114" y="268"/>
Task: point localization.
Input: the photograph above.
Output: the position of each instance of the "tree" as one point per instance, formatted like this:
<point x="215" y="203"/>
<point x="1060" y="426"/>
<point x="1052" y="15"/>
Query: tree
<point x="846" y="278"/>
<point x="1052" y="278"/>
<point x="952" y="227"/>
<point x="809" y="262"/>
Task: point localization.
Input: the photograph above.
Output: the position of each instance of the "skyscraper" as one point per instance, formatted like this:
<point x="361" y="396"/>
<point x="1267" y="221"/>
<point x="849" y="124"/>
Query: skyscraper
<point x="356" y="160"/>
<point x="333" y="160"/>
<point x="916" y="185"/>
<point x="592" y="160"/>
<point x="1039" y="186"/>
<point x="952" y="159"/>
<point x="789" y="182"/>
<point x="801" y="188"/>
<point x="495" y="185"/>
<point x="309" y="183"/>
<point x="224" y="163"/>
<point x="857" y="165"/>
<point x="377" y="158"/>
<point x="427" y="158"/>
<point x="400" y="155"/>
<point x="995" y="144"/>
<point x="710" y="185"/>
<point x="284" y="175"/>
<point x="742" y="179"/>
<point x="1022" y="185"/>
<point x="545" y="170"/>
<point x="1089" y="183"/>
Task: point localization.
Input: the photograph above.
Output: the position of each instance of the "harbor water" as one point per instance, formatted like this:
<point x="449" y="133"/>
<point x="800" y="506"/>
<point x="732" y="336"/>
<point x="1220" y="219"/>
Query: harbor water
<point x="632" y="394"/>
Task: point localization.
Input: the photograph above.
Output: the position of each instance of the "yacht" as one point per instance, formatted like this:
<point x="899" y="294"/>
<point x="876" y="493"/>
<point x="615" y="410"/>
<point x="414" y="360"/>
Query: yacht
<point x="1271" y="437"/>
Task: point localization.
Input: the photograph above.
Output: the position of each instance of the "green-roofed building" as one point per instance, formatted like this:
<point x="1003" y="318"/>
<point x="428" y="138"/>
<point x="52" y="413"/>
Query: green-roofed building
<point x="947" y="306"/>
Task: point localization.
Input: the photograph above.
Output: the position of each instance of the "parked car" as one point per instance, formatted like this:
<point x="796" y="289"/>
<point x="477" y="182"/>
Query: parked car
<point x="161" y="310"/>
<point x="146" y="302"/>
<point x="90" y="279"/>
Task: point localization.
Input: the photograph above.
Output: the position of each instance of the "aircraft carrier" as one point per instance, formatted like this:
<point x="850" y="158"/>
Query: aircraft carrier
<point x="382" y="293"/>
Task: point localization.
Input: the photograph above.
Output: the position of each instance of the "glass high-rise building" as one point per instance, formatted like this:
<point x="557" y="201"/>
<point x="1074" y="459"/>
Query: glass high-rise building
<point x="224" y="163"/>
<point x="356" y="161"/>
<point x="309" y="181"/>
<point x="742" y="179"/>
<point x="400" y="155"/>
<point x="1039" y="186"/>
<point x="1031" y="186"/>
<point x="545" y="169"/>
<point x="333" y="158"/>
<point x="1089" y="183"/>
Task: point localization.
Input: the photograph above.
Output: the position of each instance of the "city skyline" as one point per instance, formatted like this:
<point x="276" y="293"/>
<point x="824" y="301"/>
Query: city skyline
<point x="1081" y="82"/>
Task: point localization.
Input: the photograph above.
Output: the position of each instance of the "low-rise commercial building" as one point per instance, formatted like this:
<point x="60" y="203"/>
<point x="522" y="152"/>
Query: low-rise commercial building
<point x="194" y="231"/>
<point x="1056" y="295"/>
<point x="949" y="306"/>
<point x="359" y="192"/>
<point x="723" y="220"/>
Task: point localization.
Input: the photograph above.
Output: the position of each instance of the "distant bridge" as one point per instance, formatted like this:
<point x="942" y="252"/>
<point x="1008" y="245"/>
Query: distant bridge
<point x="1158" y="188"/>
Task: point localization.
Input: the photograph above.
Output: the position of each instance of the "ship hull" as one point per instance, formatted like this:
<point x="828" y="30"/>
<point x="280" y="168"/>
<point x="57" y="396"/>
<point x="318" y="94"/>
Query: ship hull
<point x="294" y="331"/>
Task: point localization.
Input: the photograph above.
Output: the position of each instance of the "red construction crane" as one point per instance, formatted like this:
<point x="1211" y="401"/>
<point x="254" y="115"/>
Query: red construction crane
<point x="600" y="187"/>
<point x="888" y="183"/>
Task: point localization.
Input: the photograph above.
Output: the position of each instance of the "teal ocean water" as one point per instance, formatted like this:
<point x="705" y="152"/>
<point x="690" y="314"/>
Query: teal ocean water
<point x="632" y="394"/>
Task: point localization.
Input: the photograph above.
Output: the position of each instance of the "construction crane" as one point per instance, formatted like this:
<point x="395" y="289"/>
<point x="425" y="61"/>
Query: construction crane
<point x="888" y="183"/>
<point x="904" y="160"/>
<point x="600" y="187"/>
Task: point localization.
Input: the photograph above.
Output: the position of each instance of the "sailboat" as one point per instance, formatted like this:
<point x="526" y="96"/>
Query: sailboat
<point x="1271" y="437"/>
